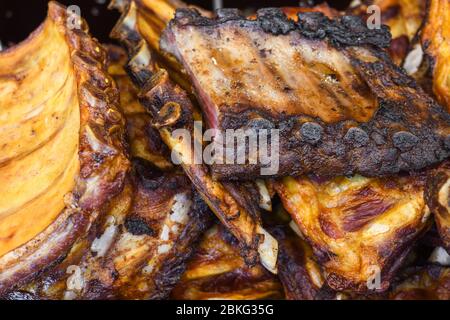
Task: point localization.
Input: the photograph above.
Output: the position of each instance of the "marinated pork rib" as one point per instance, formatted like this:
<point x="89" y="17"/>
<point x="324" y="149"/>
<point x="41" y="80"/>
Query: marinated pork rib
<point x="62" y="144"/>
<point x="340" y="104"/>
<point x="139" y="249"/>
<point x="358" y="227"/>
<point x="217" y="271"/>
<point x="171" y="109"/>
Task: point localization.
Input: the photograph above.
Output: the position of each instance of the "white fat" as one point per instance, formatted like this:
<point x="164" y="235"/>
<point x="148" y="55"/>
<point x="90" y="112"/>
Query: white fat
<point x="355" y="3"/>
<point x="426" y="214"/>
<point x="180" y="208"/>
<point x="76" y="281"/>
<point x="102" y="244"/>
<point x="440" y="256"/>
<point x="296" y="229"/>
<point x="413" y="60"/>
<point x="175" y="228"/>
<point x="165" y="233"/>
<point x="444" y="194"/>
<point x="69" y="295"/>
<point x="164" y="248"/>
<point x="268" y="250"/>
<point x="147" y="269"/>
<point x="264" y="202"/>
<point x="377" y="228"/>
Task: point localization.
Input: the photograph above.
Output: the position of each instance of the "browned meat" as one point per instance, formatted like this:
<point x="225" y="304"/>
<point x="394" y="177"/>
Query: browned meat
<point x="171" y="109"/>
<point x="428" y="283"/>
<point x="360" y="229"/>
<point x="403" y="17"/>
<point x="63" y="156"/>
<point x="139" y="248"/>
<point x="217" y="271"/>
<point x="341" y="105"/>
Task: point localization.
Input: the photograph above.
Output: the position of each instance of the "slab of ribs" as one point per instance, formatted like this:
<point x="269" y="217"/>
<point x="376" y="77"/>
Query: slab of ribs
<point x="93" y="205"/>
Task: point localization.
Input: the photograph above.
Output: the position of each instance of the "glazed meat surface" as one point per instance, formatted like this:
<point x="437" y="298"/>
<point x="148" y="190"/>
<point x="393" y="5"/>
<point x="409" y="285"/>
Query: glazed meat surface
<point x="341" y="105"/>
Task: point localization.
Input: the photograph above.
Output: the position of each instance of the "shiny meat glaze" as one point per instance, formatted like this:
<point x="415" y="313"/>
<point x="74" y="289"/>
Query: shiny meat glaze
<point x="357" y="224"/>
<point x="372" y="119"/>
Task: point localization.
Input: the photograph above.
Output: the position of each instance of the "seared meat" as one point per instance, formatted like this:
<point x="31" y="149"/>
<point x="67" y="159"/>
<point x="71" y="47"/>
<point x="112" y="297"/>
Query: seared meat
<point x="358" y="227"/>
<point x="139" y="248"/>
<point x="340" y="104"/>
<point x="435" y="42"/>
<point x="171" y="109"/>
<point x="217" y="271"/>
<point x="403" y="17"/>
<point x="62" y="140"/>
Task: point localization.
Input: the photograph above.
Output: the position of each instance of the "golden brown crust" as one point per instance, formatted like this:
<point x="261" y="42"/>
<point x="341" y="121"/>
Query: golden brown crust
<point x="217" y="271"/>
<point x="158" y="93"/>
<point x="358" y="227"/>
<point x="103" y="161"/>
<point x="434" y="39"/>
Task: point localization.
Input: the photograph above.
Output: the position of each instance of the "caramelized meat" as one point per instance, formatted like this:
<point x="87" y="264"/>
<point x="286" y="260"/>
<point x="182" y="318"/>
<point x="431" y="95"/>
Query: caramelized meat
<point x="171" y="109"/>
<point x="217" y="271"/>
<point x="340" y="104"/>
<point x="62" y="142"/>
<point x="359" y="228"/>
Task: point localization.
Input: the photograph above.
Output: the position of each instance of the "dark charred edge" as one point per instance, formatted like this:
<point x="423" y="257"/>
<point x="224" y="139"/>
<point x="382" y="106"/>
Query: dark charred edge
<point x="378" y="151"/>
<point x="436" y="180"/>
<point x="291" y="267"/>
<point x="88" y="58"/>
<point x="174" y="267"/>
<point x="342" y="32"/>
<point x="404" y="242"/>
<point x="148" y="78"/>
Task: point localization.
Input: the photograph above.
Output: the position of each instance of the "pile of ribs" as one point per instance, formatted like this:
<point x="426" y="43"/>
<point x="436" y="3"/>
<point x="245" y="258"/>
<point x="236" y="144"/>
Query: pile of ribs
<point x="100" y="198"/>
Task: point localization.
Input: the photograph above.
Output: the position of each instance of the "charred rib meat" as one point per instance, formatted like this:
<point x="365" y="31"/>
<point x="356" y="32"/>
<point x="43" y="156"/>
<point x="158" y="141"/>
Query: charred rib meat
<point x="341" y="105"/>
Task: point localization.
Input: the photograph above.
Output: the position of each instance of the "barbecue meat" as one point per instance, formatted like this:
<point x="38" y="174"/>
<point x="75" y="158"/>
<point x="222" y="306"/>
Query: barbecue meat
<point x="62" y="145"/>
<point x="358" y="227"/>
<point x="341" y="105"/>
<point x="171" y="109"/>
<point x="217" y="271"/>
<point x="139" y="248"/>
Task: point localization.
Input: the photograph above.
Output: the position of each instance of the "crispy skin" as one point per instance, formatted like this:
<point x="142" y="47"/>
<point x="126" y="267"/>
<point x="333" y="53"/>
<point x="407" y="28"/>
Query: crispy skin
<point x="396" y="127"/>
<point x="55" y="84"/>
<point x="435" y="42"/>
<point x="357" y="224"/>
<point x="217" y="271"/>
<point x="171" y="109"/>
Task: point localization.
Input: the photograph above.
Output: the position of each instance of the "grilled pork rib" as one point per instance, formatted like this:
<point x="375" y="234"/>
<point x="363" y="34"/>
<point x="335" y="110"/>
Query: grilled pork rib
<point x="358" y="227"/>
<point x="62" y="142"/>
<point x="171" y="109"/>
<point x="340" y="104"/>
<point x="139" y="247"/>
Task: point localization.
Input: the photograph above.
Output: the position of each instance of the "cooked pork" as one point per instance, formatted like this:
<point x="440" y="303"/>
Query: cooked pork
<point x="62" y="145"/>
<point x="171" y="109"/>
<point x="340" y="104"/>
<point x="360" y="229"/>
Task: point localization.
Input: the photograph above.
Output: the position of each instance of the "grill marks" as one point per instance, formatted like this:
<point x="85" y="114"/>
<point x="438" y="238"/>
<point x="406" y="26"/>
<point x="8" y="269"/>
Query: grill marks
<point x="245" y="66"/>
